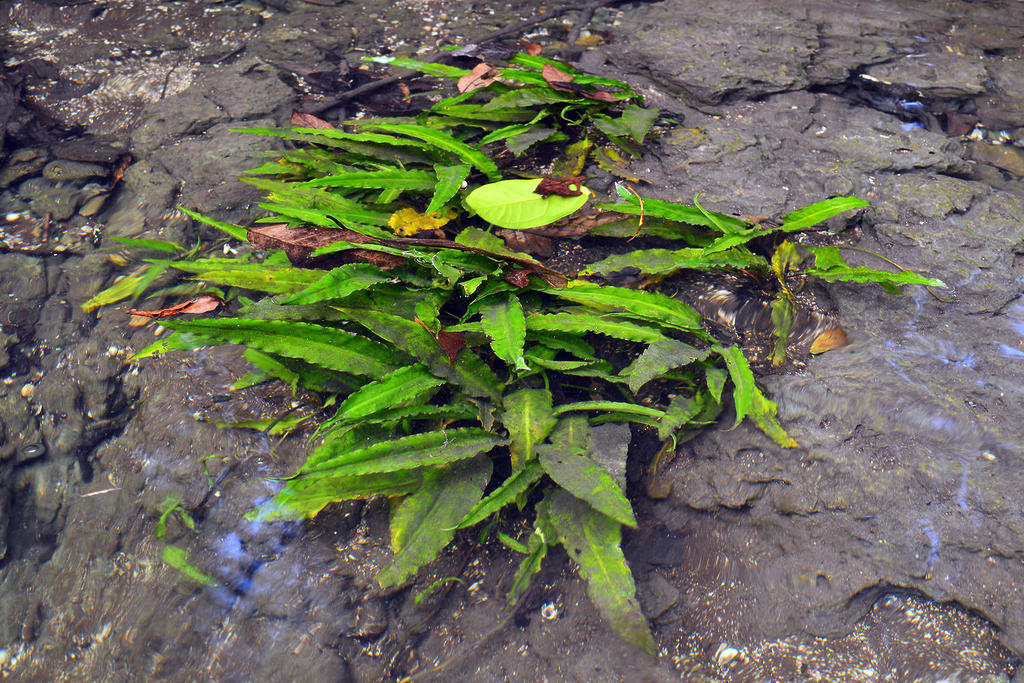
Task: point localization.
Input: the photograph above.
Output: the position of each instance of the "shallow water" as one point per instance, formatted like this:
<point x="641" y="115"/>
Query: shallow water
<point x="886" y="549"/>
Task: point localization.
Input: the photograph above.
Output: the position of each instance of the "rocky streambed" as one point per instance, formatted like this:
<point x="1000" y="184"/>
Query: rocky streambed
<point x="887" y="548"/>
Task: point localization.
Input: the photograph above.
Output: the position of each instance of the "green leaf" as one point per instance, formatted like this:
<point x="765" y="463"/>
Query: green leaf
<point x="427" y="449"/>
<point x="715" y="380"/>
<point x="638" y="303"/>
<point x="536" y="551"/>
<point x="272" y="280"/>
<point x="638" y="121"/>
<point x="468" y="371"/>
<point x="128" y="286"/>
<point x="444" y="141"/>
<point x="592" y="541"/>
<point x="156" y="245"/>
<point x="743" y="383"/>
<point x="764" y="414"/>
<point x="431" y="68"/>
<point x="503" y="321"/>
<point x="304" y="498"/>
<point x="394" y="179"/>
<point x="581" y="323"/>
<point x="505" y="132"/>
<point x="664" y="262"/>
<point x="617" y="406"/>
<point x="509" y="491"/>
<point x="325" y="346"/>
<point x="425" y="521"/>
<point x="520" y="142"/>
<point x="828" y="265"/>
<point x="658" y="358"/>
<point x="169" y="505"/>
<point x="339" y="283"/>
<point x="811" y="215"/>
<point x="528" y="416"/>
<point x="567" y="463"/>
<point x="675" y="212"/>
<point x="398" y="389"/>
<point x="177" y="558"/>
<point x="513" y="204"/>
<point x="449" y="182"/>
<point x="236" y="231"/>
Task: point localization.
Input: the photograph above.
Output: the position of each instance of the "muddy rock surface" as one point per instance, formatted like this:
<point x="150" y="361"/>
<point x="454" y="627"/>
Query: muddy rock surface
<point x="886" y="547"/>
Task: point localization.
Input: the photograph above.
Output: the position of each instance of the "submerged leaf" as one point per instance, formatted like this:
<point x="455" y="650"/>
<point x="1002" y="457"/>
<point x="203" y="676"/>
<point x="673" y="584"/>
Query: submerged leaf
<point x="503" y="321"/>
<point x="425" y="522"/>
<point x="515" y="204"/>
<point x="200" y="304"/>
<point x="528" y="416"/>
<point x="592" y="541"/>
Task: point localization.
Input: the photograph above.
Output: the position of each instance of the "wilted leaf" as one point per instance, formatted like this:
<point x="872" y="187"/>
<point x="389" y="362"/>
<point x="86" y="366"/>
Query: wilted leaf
<point x="425" y="521"/>
<point x="518" y="277"/>
<point x="300" y="243"/>
<point x="302" y="120"/>
<point x="592" y="541"/>
<point x="480" y="76"/>
<point x="451" y="343"/>
<point x="200" y="304"/>
<point x="532" y="49"/>
<point x="407" y="222"/>
<point x="528" y="416"/>
<point x="829" y="340"/>
<point x="527" y="241"/>
<point x="570" y="186"/>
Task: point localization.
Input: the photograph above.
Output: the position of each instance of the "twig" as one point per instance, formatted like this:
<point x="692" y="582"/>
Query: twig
<point x="586" y="14"/>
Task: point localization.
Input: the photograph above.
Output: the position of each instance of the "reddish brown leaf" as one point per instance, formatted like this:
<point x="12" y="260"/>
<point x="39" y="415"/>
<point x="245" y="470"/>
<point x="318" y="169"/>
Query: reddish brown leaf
<point x="378" y="258"/>
<point x="482" y="75"/>
<point x="527" y="241"/>
<point x="299" y="243"/>
<point x="119" y="171"/>
<point x="563" y="82"/>
<point x="574" y="227"/>
<point x="451" y="343"/>
<point x="520" y="277"/>
<point x="532" y="49"/>
<point x="201" y="304"/>
<point x="569" y="186"/>
<point x="302" y="120"/>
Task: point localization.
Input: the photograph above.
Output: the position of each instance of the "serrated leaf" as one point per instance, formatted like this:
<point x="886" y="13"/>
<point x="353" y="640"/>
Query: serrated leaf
<point x="503" y="321"/>
<point x="638" y="121"/>
<point x="430" y="68"/>
<point x="156" y="245"/>
<point x="513" y="204"/>
<point x="658" y="358"/>
<point x="536" y="551"/>
<point x="592" y="541"/>
<point x="129" y="286"/>
<point x="325" y="346"/>
<point x="581" y="323"/>
<point x="303" y="499"/>
<point x="829" y="265"/>
<point x="638" y="303"/>
<point x="811" y="215"/>
<point x="664" y="262"/>
<point x="715" y="380"/>
<point x="446" y="142"/>
<point x="425" y="521"/>
<point x="528" y="416"/>
<point x="468" y="371"/>
<point x="449" y="181"/>
<point x="236" y="231"/>
<point x="764" y="413"/>
<point x="271" y="280"/>
<point x="569" y="465"/>
<point x="398" y="389"/>
<point x="743" y="383"/>
<point x="339" y="283"/>
<point x="427" y="449"/>
<point x="675" y="212"/>
<point x="394" y="179"/>
<point x="509" y="490"/>
<point x="522" y="141"/>
<point x="617" y="406"/>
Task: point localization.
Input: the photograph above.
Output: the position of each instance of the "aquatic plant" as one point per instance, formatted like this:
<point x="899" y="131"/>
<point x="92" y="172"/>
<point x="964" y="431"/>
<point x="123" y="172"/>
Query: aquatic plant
<point x="460" y="376"/>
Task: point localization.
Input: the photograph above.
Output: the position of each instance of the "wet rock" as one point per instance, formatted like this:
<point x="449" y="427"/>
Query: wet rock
<point x="188" y="113"/>
<point x="1007" y="157"/>
<point x="21" y="164"/>
<point x="247" y="88"/>
<point x="935" y="73"/>
<point x="704" y="61"/>
<point x="306" y="38"/>
<point x="47" y="197"/>
<point x="656" y="595"/>
<point x="63" y="170"/>
<point x="148" y="192"/>
<point x="1005" y="107"/>
<point x="210" y="164"/>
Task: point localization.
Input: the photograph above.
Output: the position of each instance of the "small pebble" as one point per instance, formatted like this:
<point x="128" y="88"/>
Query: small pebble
<point x="27" y="390"/>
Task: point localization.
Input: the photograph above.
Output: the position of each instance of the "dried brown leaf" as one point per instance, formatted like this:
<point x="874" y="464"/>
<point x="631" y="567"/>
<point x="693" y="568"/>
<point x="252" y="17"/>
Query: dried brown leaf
<point x="569" y="186"/>
<point x="451" y="343"/>
<point x="299" y="243"/>
<point x="527" y="241"/>
<point x="481" y="76"/>
<point x="200" y="304"/>
<point x="563" y="82"/>
<point x="302" y="120"/>
<point x="520" y="277"/>
<point x="532" y="49"/>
